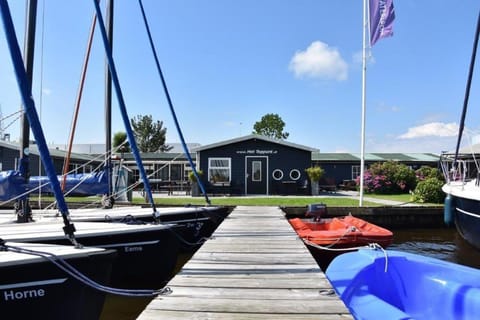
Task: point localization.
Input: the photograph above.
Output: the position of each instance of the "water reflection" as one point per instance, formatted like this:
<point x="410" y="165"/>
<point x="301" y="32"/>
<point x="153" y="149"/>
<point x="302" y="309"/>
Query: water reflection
<point x="441" y="243"/>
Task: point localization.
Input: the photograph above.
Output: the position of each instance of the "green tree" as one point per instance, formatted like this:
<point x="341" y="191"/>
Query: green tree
<point x="118" y="142"/>
<point x="271" y="125"/>
<point x="150" y="136"/>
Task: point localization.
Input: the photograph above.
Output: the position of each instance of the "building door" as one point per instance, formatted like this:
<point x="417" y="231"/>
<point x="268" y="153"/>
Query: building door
<point x="256" y="175"/>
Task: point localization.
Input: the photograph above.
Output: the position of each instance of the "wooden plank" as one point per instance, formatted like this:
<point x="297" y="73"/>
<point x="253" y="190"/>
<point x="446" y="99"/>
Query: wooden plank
<point x="253" y="257"/>
<point x="278" y="306"/>
<point x="251" y="282"/>
<point x="258" y="293"/>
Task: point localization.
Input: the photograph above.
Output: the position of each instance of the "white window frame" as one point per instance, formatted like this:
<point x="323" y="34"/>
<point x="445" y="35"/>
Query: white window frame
<point x="296" y="171"/>
<point x="356" y="171"/>
<point x="281" y="174"/>
<point x="228" y="167"/>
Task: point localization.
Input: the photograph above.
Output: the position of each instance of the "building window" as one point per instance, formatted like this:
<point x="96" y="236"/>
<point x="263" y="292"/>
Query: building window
<point x="219" y="170"/>
<point x="256" y="171"/>
<point x="277" y="174"/>
<point x="355" y="172"/>
<point x="295" y="174"/>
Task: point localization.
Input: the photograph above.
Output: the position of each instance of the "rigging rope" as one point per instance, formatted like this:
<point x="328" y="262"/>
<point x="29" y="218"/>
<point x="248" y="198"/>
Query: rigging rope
<point x="66" y="163"/>
<point x="32" y="115"/>
<point x="121" y="103"/>
<point x="170" y="104"/>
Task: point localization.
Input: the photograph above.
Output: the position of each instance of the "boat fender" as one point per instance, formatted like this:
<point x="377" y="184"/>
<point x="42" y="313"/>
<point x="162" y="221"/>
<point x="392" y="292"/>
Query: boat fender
<point x="448" y="210"/>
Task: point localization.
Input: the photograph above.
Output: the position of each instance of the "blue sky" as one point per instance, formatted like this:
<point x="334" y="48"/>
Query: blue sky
<point x="227" y="63"/>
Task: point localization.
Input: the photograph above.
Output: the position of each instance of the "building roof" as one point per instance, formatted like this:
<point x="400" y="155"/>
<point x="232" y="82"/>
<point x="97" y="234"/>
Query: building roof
<point x="254" y="136"/>
<point x="163" y="156"/>
<point x="54" y="152"/>
<point x="374" y="157"/>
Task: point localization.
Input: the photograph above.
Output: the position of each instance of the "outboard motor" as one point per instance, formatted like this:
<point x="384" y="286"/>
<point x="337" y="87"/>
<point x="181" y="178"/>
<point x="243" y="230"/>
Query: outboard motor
<point x="316" y="211"/>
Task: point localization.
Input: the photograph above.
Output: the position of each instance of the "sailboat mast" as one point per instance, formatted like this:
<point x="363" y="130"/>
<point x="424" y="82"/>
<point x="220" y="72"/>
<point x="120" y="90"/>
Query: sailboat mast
<point x="24" y="211"/>
<point x="364" y="101"/>
<point x="467" y="90"/>
<point x="121" y="104"/>
<point x="29" y="107"/>
<point x="108" y="200"/>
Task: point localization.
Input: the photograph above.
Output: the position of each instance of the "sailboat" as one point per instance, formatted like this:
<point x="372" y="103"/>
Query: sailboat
<point x="154" y="248"/>
<point x="462" y="187"/>
<point x="35" y="277"/>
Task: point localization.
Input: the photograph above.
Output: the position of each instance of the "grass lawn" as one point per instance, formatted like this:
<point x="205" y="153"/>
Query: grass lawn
<point x="290" y="201"/>
<point x="404" y="197"/>
<point x="259" y="201"/>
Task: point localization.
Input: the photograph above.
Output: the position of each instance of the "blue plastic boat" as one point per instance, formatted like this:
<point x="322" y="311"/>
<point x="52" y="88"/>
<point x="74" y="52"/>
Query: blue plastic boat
<point x="387" y="284"/>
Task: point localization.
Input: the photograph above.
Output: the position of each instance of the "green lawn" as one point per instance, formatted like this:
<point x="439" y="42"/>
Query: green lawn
<point x="291" y="201"/>
<point x="258" y="201"/>
<point x="404" y="197"/>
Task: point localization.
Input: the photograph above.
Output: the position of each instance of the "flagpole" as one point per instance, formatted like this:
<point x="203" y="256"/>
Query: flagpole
<point x="364" y="102"/>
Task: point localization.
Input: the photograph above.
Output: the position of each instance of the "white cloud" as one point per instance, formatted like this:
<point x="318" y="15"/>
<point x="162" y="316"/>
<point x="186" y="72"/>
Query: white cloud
<point x="432" y="129"/>
<point x="319" y="61"/>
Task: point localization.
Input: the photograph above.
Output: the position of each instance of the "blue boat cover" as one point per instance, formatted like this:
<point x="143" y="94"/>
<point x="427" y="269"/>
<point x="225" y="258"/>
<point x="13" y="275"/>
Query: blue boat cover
<point x="12" y="184"/>
<point x="81" y="184"/>
<point x="377" y="284"/>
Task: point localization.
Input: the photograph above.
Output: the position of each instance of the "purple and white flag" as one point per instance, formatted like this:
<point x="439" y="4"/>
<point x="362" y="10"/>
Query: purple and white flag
<point x="382" y="15"/>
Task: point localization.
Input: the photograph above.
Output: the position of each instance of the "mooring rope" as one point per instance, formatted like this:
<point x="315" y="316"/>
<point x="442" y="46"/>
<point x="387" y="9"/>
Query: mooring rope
<point x="329" y="247"/>
<point x="131" y="220"/>
<point x="376" y="246"/>
<point x="73" y="272"/>
<point x="372" y="246"/>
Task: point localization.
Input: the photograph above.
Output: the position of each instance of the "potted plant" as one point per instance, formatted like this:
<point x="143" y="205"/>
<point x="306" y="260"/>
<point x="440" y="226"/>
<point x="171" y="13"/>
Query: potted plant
<point x="314" y="174"/>
<point x="194" y="183"/>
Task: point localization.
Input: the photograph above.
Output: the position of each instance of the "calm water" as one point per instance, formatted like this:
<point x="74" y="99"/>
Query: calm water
<point x="442" y="243"/>
<point x="125" y="308"/>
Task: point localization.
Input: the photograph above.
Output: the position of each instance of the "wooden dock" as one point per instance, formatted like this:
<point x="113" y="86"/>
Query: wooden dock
<point x="255" y="267"/>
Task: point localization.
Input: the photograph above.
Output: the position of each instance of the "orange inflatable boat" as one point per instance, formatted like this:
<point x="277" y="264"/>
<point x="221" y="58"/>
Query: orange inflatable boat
<point x="326" y="238"/>
<point x="341" y="232"/>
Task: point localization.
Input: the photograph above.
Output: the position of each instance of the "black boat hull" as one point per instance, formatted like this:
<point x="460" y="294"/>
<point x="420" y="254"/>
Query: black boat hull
<point x="146" y="254"/>
<point x="145" y="260"/>
<point x="467" y="220"/>
<point x="197" y="223"/>
<point x="34" y="290"/>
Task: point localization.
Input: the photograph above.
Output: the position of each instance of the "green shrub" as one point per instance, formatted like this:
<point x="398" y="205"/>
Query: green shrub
<point x="426" y="172"/>
<point x="191" y="175"/>
<point x="429" y="190"/>
<point x="314" y="173"/>
<point x="390" y="177"/>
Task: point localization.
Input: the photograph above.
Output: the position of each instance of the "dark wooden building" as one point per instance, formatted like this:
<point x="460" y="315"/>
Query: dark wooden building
<point x="254" y="165"/>
<point x="344" y="168"/>
<point x="80" y="163"/>
<point x="248" y="165"/>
